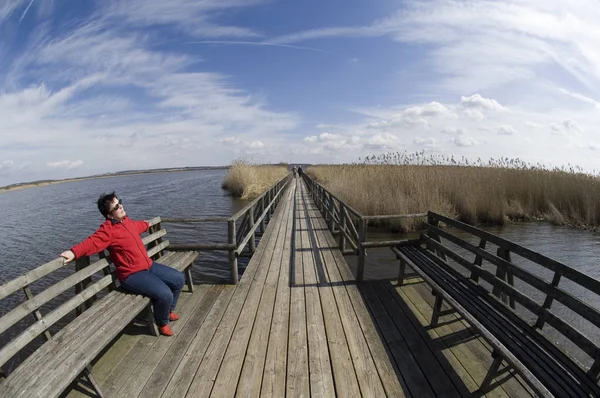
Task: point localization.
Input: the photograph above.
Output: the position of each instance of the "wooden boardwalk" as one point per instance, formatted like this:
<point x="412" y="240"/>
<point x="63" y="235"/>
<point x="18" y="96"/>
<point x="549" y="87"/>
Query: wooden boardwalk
<point x="297" y="324"/>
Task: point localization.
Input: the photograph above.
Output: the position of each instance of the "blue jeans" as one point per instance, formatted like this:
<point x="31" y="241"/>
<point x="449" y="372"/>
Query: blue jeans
<point x="162" y="284"/>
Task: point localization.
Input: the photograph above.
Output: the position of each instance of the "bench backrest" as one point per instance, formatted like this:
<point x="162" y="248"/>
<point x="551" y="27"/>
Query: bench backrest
<point x="501" y="282"/>
<point x="51" y="281"/>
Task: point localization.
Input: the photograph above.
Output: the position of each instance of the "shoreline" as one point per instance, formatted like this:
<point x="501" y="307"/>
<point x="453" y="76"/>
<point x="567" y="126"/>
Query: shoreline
<point x="27" y="185"/>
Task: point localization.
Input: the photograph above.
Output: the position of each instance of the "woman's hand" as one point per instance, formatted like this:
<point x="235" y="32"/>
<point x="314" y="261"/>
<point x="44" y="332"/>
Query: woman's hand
<point x="68" y="256"/>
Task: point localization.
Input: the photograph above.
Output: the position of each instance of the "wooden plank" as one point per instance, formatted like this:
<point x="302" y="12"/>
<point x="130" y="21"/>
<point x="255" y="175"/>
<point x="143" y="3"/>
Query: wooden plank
<point x="474" y="354"/>
<point x="415" y="380"/>
<point x="297" y="384"/>
<point x="240" y="350"/>
<point x="346" y="383"/>
<point x="366" y="371"/>
<point x="69" y="370"/>
<point x="576" y="276"/>
<point x="209" y="367"/>
<point x="154" y="236"/>
<point x="24" y="280"/>
<point x="157" y="352"/>
<point x="26" y="308"/>
<point x="187" y="368"/>
<point x="64" y="365"/>
<point x="274" y="375"/>
<point x="239" y="347"/>
<point x="339" y="272"/>
<point x="165" y="369"/>
<point x="34" y="330"/>
<point x="319" y="364"/>
<point x="437" y="376"/>
<point x="33" y="362"/>
<point x="254" y="361"/>
<point x="491" y="338"/>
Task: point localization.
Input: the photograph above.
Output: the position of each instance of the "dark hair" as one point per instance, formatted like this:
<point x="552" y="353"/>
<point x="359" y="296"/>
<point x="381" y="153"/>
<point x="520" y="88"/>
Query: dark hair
<point x="104" y="202"/>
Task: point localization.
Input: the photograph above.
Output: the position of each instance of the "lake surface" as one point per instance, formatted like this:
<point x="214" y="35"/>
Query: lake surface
<point x="39" y="223"/>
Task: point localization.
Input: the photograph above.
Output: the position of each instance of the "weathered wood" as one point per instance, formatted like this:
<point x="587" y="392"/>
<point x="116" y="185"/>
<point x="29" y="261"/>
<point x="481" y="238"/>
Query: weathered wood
<point x="539" y="388"/>
<point x="298" y="381"/>
<point x="362" y="238"/>
<point x="233" y="267"/>
<point x="209" y="367"/>
<point x="35" y="302"/>
<point x="253" y="364"/>
<point x="25" y="280"/>
<point x="395" y="216"/>
<point x="319" y="363"/>
<point x="36" y="313"/>
<point x="563" y="327"/>
<point x="576" y="276"/>
<point x="367" y="374"/>
<point x="274" y="374"/>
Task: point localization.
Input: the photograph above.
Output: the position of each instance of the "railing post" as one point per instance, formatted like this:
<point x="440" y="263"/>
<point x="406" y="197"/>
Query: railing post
<point x="331" y="212"/>
<point x="80" y="264"/>
<point x="233" y="270"/>
<point x="253" y="238"/>
<point x="362" y="238"/>
<point x="262" y="220"/>
<point x="342" y="243"/>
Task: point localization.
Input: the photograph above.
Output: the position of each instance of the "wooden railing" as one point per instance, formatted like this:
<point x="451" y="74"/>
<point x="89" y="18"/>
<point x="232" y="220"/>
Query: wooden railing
<point x="241" y="227"/>
<point x="349" y="224"/>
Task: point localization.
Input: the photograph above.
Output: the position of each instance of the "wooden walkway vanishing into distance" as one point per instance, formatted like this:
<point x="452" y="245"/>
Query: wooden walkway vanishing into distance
<point x="298" y="324"/>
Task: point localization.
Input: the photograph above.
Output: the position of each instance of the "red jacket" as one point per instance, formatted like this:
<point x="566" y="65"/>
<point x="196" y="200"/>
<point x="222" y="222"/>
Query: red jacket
<point x="122" y="239"/>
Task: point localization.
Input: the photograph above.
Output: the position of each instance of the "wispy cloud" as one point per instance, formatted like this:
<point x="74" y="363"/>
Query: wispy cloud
<point x="256" y="44"/>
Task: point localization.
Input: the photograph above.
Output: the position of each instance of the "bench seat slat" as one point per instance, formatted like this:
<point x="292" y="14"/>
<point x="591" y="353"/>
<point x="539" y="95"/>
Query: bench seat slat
<point x="66" y="333"/>
<point x="24" y="280"/>
<point x="34" y="330"/>
<point x="154" y="236"/>
<point x="26" y="308"/>
<point x="65" y="361"/>
<point x="583" y="309"/>
<point x="516" y="337"/>
<point x="582" y="341"/>
<point x="537" y="352"/>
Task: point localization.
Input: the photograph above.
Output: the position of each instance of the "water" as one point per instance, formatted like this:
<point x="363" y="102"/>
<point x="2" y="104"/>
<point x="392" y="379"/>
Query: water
<point x="39" y="223"/>
<point x="576" y="248"/>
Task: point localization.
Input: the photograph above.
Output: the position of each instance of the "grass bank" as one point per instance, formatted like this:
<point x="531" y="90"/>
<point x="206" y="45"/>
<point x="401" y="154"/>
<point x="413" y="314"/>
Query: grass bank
<point x="473" y="194"/>
<point x="248" y="181"/>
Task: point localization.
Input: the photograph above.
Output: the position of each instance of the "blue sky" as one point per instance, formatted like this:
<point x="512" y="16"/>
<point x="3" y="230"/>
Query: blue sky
<point x="89" y="87"/>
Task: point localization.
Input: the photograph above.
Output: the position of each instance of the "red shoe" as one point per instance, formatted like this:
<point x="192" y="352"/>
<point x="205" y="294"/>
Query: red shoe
<point x="173" y="316"/>
<point x="165" y="330"/>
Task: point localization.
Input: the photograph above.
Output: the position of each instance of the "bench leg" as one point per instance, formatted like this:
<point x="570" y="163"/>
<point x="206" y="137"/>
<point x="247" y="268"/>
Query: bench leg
<point x="437" y="307"/>
<point x="492" y="372"/>
<point x="188" y="277"/>
<point x="401" y="272"/>
<point x="151" y="321"/>
<point x="87" y="373"/>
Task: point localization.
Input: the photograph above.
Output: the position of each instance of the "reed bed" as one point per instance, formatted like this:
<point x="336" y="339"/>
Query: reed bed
<point x="490" y="193"/>
<point x="248" y="181"/>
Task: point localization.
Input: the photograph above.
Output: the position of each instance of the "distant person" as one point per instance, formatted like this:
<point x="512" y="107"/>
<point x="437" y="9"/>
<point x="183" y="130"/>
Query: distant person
<point x="135" y="270"/>
<point x="295" y="171"/>
<point x="299" y="170"/>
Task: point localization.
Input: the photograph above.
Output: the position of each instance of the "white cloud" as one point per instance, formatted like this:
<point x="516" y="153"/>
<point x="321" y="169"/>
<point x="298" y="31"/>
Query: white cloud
<point x="414" y="116"/>
<point x="312" y="138"/>
<point x="506" y="130"/>
<point x="382" y="141"/>
<point x="478" y="102"/>
<point x="255" y="144"/>
<point x="231" y="140"/>
<point x="463" y="141"/>
<point x="66" y="164"/>
<point x="429" y="143"/>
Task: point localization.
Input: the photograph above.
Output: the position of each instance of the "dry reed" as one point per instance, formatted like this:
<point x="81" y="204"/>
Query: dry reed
<point x="482" y="193"/>
<point x="248" y="181"/>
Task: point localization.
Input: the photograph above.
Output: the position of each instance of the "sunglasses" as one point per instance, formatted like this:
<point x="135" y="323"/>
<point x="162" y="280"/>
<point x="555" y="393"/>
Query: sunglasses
<point x="117" y="206"/>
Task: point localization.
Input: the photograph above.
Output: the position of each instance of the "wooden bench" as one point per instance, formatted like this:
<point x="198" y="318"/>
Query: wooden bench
<point x="52" y="367"/>
<point x="504" y="313"/>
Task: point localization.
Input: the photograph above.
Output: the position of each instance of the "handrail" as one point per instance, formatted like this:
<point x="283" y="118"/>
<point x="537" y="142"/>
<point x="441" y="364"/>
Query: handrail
<point x="246" y="231"/>
<point x="337" y="216"/>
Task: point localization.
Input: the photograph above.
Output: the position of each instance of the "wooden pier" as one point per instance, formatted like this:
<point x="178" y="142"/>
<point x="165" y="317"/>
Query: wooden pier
<point x="298" y="324"/>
